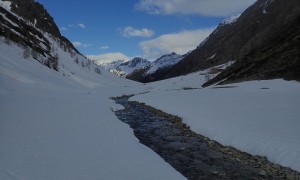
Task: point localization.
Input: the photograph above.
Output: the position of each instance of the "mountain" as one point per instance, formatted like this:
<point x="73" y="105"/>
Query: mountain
<point x="264" y="43"/>
<point x="142" y="70"/>
<point x="111" y="65"/>
<point x="163" y="62"/>
<point x="28" y="24"/>
<point x="273" y="51"/>
<point x="151" y="71"/>
<point x="127" y="67"/>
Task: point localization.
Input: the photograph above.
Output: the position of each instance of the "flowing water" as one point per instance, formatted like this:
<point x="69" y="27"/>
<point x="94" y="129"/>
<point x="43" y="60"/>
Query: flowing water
<point x="189" y="153"/>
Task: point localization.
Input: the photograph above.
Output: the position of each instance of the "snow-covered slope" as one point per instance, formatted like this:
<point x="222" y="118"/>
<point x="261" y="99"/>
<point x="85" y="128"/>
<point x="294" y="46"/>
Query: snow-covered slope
<point x="259" y="117"/>
<point x="59" y="125"/>
<point x="129" y="66"/>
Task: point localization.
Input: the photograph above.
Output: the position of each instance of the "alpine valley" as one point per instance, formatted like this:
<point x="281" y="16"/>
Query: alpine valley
<point x="228" y="109"/>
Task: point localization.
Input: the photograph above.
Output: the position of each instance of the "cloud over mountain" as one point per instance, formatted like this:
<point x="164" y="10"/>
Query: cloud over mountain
<point x="180" y="42"/>
<point x="108" y="57"/>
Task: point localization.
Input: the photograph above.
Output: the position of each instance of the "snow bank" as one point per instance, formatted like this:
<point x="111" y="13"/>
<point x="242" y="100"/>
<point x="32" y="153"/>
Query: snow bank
<point x="259" y="117"/>
<point x="116" y="107"/>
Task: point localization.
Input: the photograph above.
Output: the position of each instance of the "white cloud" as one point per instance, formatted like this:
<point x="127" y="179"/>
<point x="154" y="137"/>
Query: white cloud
<point x="200" y="7"/>
<point x="180" y="42"/>
<point x="132" y="32"/>
<point x="79" y="44"/>
<point x="63" y="28"/>
<point x="81" y="25"/>
<point x="107" y="58"/>
<point x="76" y="44"/>
<point x="71" y="26"/>
<point x="104" y="47"/>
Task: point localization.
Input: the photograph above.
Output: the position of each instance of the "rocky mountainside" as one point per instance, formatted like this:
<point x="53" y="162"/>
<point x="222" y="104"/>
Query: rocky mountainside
<point x="273" y="51"/>
<point x="151" y="71"/>
<point x="264" y="43"/>
<point x="28" y="24"/>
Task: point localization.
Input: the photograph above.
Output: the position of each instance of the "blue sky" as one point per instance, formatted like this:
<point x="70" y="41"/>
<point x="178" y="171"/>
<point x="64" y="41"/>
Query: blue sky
<point x="121" y="29"/>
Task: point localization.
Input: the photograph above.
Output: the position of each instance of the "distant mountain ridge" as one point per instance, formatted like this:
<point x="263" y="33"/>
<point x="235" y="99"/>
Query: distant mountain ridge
<point x="149" y="72"/>
<point x="111" y="65"/>
<point x="126" y="68"/>
<point x="139" y="69"/>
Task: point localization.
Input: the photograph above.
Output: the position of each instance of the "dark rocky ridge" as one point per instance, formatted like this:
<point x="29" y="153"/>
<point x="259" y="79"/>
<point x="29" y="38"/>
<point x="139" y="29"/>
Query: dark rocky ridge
<point x="23" y="33"/>
<point x="138" y="75"/>
<point x="264" y="42"/>
<point x="28" y="29"/>
<point x="277" y="54"/>
<point x="31" y="11"/>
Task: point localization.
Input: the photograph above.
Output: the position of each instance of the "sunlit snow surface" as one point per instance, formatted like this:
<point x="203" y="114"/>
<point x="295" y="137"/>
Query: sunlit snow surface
<point x="259" y="117"/>
<point x="55" y="126"/>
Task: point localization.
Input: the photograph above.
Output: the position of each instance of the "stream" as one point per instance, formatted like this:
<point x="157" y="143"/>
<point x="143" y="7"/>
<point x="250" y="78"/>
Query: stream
<point x="193" y="155"/>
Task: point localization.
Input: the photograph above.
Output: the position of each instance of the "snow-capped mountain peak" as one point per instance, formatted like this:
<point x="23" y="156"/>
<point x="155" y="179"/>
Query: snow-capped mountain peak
<point x="127" y="67"/>
<point x="112" y="65"/>
<point x="164" y="61"/>
<point x="142" y="67"/>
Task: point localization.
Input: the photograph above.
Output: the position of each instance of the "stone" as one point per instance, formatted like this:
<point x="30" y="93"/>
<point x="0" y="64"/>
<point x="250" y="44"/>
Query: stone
<point x="263" y="173"/>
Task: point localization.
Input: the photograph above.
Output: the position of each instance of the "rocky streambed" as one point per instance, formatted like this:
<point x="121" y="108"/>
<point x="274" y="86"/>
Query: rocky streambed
<point x="193" y="155"/>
